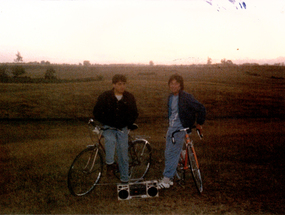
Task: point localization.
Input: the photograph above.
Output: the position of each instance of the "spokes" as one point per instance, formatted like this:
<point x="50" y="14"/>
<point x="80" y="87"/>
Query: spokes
<point x="85" y="172"/>
<point x="140" y="158"/>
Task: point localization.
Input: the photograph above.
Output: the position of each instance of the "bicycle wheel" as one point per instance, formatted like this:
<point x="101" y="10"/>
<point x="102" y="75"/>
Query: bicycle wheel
<point x="85" y="171"/>
<point x="194" y="167"/>
<point x="139" y="159"/>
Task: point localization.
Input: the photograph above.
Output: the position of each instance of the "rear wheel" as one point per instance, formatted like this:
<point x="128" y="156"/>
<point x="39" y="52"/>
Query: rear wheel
<point x="139" y="159"/>
<point x="194" y="167"/>
<point x="85" y="171"/>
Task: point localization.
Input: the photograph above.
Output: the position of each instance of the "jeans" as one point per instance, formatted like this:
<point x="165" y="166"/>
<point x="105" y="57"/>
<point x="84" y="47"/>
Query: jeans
<point x="172" y="152"/>
<point x="118" y="141"/>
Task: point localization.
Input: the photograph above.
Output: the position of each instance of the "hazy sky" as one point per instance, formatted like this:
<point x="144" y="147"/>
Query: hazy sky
<point x="138" y="31"/>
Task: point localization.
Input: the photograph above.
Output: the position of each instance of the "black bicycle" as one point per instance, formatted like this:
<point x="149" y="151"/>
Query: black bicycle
<point x="88" y="167"/>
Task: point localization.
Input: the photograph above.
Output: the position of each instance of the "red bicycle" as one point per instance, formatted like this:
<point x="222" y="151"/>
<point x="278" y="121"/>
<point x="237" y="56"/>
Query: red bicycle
<point x="188" y="160"/>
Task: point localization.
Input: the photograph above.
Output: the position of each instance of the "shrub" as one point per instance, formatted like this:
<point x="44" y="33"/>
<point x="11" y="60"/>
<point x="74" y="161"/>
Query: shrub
<point x="50" y="74"/>
<point x="18" y="70"/>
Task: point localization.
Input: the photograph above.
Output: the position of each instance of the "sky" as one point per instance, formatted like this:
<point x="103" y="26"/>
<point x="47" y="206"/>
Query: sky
<point x="139" y="31"/>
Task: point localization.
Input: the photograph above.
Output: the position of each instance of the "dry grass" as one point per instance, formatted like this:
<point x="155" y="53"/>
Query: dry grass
<point x="241" y="157"/>
<point x="226" y="93"/>
<point x="242" y="171"/>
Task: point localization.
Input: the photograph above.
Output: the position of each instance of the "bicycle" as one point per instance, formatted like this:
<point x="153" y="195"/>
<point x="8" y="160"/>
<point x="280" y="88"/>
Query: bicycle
<point x="86" y="170"/>
<point x="188" y="159"/>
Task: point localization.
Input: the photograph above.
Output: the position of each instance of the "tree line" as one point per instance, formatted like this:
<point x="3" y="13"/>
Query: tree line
<point x="15" y="73"/>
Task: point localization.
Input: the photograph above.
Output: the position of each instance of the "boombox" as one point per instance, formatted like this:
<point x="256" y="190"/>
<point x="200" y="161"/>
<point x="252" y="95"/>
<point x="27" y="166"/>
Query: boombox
<point x="144" y="189"/>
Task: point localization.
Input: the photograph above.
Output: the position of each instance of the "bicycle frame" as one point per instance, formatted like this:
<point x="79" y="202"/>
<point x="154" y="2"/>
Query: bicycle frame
<point x="98" y="144"/>
<point x="99" y="131"/>
<point x="190" y="143"/>
<point x="184" y="158"/>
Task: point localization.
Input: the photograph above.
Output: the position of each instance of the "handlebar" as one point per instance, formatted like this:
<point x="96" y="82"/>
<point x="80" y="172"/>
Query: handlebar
<point x="188" y="130"/>
<point x="99" y="128"/>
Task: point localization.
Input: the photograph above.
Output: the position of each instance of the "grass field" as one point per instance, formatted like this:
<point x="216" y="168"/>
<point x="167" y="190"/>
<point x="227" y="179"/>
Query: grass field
<point x="43" y="128"/>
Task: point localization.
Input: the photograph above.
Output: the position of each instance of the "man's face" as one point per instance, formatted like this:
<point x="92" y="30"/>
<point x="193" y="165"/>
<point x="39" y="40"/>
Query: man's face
<point x="119" y="87"/>
<point x="174" y="87"/>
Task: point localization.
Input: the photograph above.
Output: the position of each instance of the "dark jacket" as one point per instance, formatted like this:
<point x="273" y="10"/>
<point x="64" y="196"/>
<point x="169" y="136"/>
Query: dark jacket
<point x="109" y="111"/>
<point x="190" y="110"/>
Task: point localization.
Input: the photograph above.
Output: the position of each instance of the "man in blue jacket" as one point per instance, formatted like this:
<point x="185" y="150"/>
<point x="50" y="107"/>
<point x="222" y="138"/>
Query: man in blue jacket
<point x="116" y="108"/>
<point x="183" y="111"/>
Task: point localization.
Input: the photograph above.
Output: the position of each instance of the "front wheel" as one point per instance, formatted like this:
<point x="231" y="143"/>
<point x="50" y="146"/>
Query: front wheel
<point x="85" y="171"/>
<point x="139" y="159"/>
<point x="194" y="167"/>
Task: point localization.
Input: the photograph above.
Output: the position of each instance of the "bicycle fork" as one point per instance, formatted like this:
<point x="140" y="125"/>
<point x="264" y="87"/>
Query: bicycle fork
<point x="91" y="161"/>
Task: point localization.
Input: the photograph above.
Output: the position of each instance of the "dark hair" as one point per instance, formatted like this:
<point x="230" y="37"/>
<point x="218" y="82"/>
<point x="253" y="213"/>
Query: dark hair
<point x="178" y="78"/>
<point x="118" y="77"/>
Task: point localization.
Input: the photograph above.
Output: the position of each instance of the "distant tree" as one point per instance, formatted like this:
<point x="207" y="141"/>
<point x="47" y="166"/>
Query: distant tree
<point x="19" y="58"/>
<point x="86" y="63"/>
<point x="151" y="63"/>
<point x="229" y="62"/>
<point x="18" y="70"/>
<point x="209" y="61"/>
<point x="223" y="61"/>
<point x="50" y="74"/>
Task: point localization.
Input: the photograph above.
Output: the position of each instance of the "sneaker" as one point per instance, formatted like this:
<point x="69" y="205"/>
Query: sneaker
<point x="165" y="183"/>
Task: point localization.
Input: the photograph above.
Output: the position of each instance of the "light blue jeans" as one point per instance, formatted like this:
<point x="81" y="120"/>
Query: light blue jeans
<point x="118" y="141"/>
<point x="172" y="152"/>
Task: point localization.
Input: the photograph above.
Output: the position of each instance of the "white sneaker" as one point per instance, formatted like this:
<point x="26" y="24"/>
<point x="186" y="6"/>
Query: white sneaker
<point x="164" y="183"/>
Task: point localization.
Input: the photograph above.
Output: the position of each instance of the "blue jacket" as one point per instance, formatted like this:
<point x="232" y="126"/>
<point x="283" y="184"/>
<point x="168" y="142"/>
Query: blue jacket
<point x="190" y="110"/>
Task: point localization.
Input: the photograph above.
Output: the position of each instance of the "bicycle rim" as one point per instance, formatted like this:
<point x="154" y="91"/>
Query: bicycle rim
<point x="194" y="167"/>
<point x="139" y="159"/>
<point x="85" y="171"/>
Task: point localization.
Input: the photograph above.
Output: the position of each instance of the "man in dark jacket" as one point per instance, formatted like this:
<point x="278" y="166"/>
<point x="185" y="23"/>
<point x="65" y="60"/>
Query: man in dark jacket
<point x="183" y="111"/>
<point x="116" y="108"/>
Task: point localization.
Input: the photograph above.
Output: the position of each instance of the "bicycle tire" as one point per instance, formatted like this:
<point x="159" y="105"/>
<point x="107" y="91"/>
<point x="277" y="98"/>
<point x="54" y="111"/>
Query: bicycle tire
<point x="139" y="159"/>
<point x="85" y="171"/>
<point x="194" y="167"/>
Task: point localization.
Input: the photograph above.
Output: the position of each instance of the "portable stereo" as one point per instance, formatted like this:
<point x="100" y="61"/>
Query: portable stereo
<point x="145" y="189"/>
